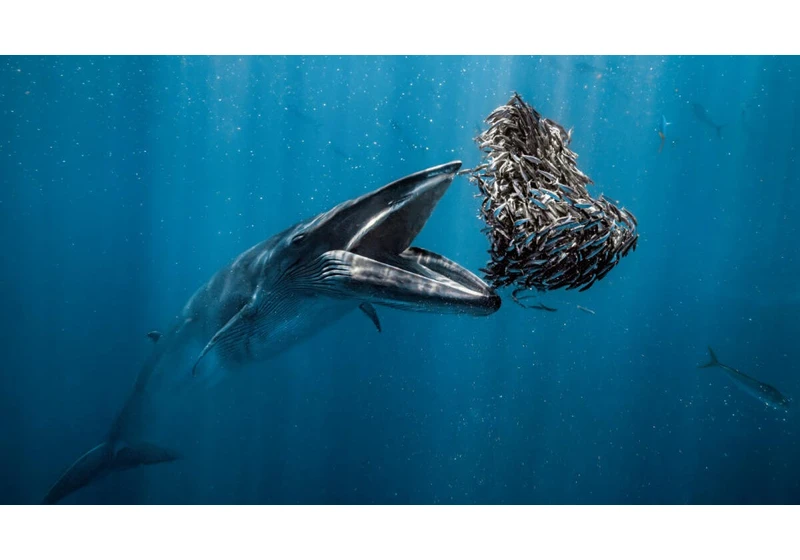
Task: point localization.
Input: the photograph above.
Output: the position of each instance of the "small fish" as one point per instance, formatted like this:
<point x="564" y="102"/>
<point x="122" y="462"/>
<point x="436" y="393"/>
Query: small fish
<point x="529" y="239"/>
<point x="767" y="394"/>
<point x="594" y="252"/>
<point x="605" y="270"/>
<point x="662" y="132"/>
<point x="565" y="247"/>
<point x="546" y="175"/>
<point x="586" y="309"/>
<point x="537" y="262"/>
<point x="552" y="241"/>
<point x="541" y="306"/>
<point x="589" y="285"/>
<point x="567" y="188"/>
<point x="567" y="226"/>
<point x="601" y="240"/>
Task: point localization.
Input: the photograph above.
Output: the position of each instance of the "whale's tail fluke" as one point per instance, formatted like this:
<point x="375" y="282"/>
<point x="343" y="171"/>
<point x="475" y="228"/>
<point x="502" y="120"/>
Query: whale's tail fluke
<point x="102" y="460"/>
<point x="712" y="361"/>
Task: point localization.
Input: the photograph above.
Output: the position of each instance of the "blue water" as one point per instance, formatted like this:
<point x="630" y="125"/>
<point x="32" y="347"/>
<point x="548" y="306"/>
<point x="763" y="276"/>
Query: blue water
<point x="126" y="182"/>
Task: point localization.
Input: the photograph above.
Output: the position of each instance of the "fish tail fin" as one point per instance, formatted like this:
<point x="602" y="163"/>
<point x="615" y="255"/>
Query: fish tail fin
<point x="713" y="361"/>
<point x="102" y="460"/>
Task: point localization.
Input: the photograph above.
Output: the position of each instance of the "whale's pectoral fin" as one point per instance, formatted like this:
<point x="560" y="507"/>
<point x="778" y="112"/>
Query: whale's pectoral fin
<point x="369" y="311"/>
<point x="414" y="281"/>
<point x="229" y="338"/>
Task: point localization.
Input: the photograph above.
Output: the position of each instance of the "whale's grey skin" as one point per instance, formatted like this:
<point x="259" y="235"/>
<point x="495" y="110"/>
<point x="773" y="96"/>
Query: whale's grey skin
<point x="283" y="290"/>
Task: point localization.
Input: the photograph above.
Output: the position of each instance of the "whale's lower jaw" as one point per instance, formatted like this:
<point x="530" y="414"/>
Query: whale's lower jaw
<point x="415" y="280"/>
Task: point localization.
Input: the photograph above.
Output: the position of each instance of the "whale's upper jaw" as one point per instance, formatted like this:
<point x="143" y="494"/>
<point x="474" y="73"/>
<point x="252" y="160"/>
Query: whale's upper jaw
<point x="385" y="220"/>
<point x="395" y="214"/>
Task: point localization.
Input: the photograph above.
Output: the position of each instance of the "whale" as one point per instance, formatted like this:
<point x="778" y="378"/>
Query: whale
<point x="354" y="258"/>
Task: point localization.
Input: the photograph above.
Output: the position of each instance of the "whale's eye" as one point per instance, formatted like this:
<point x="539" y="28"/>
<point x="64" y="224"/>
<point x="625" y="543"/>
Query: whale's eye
<point x="298" y="238"/>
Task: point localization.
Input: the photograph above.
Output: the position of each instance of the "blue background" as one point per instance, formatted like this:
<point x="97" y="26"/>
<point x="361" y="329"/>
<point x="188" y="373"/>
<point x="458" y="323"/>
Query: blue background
<point x="126" y="182"/>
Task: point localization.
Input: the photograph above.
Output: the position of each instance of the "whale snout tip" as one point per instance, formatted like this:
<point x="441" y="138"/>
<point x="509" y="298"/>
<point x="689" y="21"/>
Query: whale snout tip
<point x="494" y="302"/>
<point x="490" y="303"/>
<point x="452" y="167"/>
<point x="446" y="169"/>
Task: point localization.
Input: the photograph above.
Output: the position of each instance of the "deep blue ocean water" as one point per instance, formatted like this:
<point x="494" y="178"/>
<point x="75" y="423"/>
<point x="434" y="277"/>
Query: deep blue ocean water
<point x="126" y="182"/>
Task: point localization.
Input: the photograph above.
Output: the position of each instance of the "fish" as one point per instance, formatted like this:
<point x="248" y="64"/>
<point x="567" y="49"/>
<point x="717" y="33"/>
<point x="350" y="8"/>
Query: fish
<point x="662" y="132"/>
<point x="541" y="306"/>
<point x="530" y="238"/>
<point x="765" y="393"/>
<point x="600" y="240"/>
<point x="589" y="285"/>
<point x="585" y="309"/>
<point x="547" y="175"/>
<point x="278" y="293"/>
<point x="594" y="252"/>
<point x="702" y="115"/>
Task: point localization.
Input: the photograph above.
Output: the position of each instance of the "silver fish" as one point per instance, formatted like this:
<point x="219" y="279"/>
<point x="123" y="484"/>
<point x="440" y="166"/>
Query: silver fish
<point x="765" y="393"/>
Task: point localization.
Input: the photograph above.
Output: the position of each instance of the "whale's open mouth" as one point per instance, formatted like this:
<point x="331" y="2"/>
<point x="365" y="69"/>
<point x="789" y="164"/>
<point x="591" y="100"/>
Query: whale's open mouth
<point x="378" y="264"/>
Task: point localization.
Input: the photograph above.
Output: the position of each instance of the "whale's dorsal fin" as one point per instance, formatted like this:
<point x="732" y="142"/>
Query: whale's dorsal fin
<point x="154" y="336"/>
<point x="369" y="311"/>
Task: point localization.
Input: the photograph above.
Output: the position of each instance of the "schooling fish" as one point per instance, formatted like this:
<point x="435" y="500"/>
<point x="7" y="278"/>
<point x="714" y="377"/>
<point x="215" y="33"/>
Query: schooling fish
<point x="767" y="394"/>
